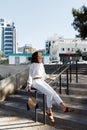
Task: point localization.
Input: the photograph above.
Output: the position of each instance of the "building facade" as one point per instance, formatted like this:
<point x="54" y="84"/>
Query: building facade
<point x="20" y="58"/>
<point x="58" y="45"/>
<point x="7" y="37"/>
<point x="26" y="49"/>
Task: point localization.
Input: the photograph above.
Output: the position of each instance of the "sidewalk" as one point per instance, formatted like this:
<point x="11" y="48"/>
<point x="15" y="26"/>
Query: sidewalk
<point x="9" y="121"/>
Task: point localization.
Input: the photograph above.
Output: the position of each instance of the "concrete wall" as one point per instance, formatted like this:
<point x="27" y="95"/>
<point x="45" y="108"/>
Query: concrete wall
<point x="16" y="81"/>
<point x="12" y="83"/>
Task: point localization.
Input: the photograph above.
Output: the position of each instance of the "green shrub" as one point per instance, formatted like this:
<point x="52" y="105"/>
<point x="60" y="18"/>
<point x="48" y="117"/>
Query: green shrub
<point x="4" y="61"/>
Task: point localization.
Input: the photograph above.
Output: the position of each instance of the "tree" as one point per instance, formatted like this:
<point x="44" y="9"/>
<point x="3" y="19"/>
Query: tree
<point x="80" y="21"/>
<point x="79" y="52"/>
<point x="1" y="54"/>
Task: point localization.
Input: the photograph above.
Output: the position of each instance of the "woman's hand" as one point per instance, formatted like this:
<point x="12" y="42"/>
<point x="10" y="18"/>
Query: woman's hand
<point x="52" y="78"/>
<point x="28" y="87"/>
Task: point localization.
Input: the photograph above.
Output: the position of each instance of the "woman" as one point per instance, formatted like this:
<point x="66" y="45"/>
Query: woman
<point x="37" y="78"/>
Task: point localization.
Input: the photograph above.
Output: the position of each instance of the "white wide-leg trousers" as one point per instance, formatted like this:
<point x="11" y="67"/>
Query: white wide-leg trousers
<point x="46" y="89"/>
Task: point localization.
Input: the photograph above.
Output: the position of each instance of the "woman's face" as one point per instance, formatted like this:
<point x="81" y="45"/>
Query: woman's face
<point x="39" y="57"/>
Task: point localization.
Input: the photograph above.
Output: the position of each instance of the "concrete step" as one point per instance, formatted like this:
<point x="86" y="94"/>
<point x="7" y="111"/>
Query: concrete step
<point x="82" y="68"/>
<point x="76" y="122"/>
<point x="82" y="85"/>
<point x="9" y="120"/>
<point x="66" y="120"/>
<point x="69" y="100"/>
<point x="79" y="85"/>
<point x="73" y="91"/>
<point x="78" y="109"/>
<point x="80" y="99"/>
<point x="78" y="92"/>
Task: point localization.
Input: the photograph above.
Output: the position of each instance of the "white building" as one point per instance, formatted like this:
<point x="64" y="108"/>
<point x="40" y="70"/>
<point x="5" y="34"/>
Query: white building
<point x="7" y="37"/>
<point x="20" y="58"/>
<point x="58" y="45"/>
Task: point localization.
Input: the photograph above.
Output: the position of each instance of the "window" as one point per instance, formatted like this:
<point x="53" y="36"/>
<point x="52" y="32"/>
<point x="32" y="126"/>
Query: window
<point x="68" y="49"/>
<point x="8" y="41"/>
<point x="84" y="49"/>
<point x="2" y="24"/>
<point x="72" y="49"/>
<point x="53" y="41"/>
<point x="8" y="49"/>
<point x="8" y="29"/>
<point x="8" y="45"/>
<point x="8" y="37"/>
<point x="17" y="60"/>
<point x="8" y="33"/>
<point x="62" y="49"/>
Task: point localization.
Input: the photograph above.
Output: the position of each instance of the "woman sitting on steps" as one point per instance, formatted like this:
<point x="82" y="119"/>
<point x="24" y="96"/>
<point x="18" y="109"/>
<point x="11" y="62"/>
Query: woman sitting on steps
<point x="37" y="78"/>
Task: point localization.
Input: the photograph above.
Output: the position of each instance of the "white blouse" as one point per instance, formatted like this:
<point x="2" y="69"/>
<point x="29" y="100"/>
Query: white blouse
<point x="36" y="70"/>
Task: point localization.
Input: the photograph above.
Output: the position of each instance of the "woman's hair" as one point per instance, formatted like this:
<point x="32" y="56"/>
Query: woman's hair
<point x="34" y="58"/>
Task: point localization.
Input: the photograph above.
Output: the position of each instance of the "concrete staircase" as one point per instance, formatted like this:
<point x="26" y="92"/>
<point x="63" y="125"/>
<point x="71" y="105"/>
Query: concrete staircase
<point x="82" y="68"/>
<point x="16" y="104"/>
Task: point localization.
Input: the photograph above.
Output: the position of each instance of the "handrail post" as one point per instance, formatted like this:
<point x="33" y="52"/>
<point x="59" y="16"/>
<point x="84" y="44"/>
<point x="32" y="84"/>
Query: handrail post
<point x="35" y="107"/>
<point x="44" y="108"/>
<point x="60" y="81"/>
<point x="70" y="73"/>
<point x="60" y="84"/>
<point x="67" y="83"/>
<point x="76" y="72"/>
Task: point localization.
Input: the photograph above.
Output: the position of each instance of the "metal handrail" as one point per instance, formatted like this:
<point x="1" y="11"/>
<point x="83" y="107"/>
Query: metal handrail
<point x="60" y="72"/>
<point x="67" y="67"/>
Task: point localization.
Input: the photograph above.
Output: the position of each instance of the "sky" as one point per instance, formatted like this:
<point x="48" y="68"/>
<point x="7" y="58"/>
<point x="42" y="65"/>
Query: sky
<point x="37" y="20"/>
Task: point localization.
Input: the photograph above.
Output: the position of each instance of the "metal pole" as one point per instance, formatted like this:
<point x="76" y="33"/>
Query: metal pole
<point x="44" y="108"/>
<point x="35" y="107"/>
<point x="70" y="73"/>
<point x="67" y="83"/>
<point x="76" y="72"/>
<point x="60" y="84"/>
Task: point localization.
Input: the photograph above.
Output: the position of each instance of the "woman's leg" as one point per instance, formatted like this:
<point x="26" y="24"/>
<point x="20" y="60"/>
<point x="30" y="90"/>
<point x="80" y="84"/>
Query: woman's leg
<point x="62" y="104"/>
<point x="51" y="94"/>
<point x="43" y="87"/>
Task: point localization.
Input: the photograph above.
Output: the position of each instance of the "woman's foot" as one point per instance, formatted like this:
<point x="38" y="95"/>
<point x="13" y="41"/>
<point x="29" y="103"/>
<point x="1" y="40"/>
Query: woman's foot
<point x="50" y="115"/>
<point x="68" y="109"/>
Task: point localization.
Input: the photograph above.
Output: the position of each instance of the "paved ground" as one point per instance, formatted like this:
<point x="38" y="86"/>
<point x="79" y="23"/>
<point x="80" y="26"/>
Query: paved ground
<point x="8" y="121"/>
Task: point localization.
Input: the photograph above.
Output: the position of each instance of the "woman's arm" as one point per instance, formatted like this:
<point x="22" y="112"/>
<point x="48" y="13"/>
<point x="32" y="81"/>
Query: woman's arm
<point x="29" y="82"/>
<point x="47" y="76"/>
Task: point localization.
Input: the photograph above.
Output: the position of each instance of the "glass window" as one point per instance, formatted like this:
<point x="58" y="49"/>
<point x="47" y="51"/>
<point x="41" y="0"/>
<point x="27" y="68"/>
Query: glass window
<point x="8" y="45"/>
<point x="8" y="29"/>
<point x="72" y="49"/>
<point x="62" y="49"/>
<point x="68" y="49"/>
<point x="84" y="49"/>
<point x="8" y="40"/>
<point x="8" y="33"/>
<point x="8" y="36"/>
<point x="8" y="48"/>
<point x="2" y="24"/>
